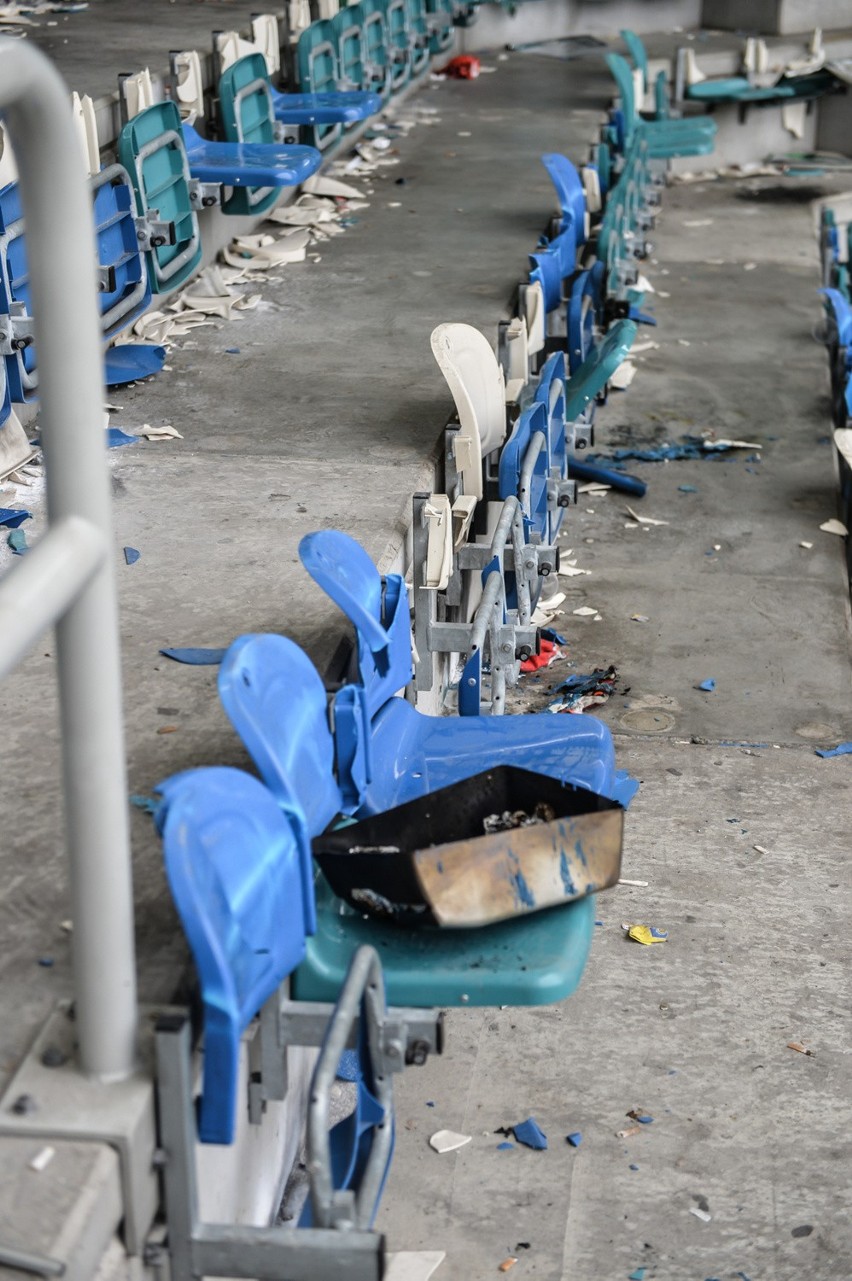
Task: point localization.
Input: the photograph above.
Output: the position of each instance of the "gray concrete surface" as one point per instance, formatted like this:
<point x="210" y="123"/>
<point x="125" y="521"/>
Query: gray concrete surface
<point x="693" y="1031"/>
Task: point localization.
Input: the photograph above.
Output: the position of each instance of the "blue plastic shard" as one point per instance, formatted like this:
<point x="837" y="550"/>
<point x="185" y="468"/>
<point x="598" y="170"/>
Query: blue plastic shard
<point x="624" y="788"/>
<point x="529" y="1133"/>
<point x="709" y="685"/>
<point x="574" y="1139"/>
<point x="12" y="517"/>
<point x="149" y="804"/>
<point x="641" y="317"/>
<point x="505" y="1147"/>
<point x="195" y="657"/>
<point x="842" y="749"/>
<point x="687" y="489"/>
<point x="116" y="437"/>
<point x="638" y="1274"/>
<point x="131" y="361"/>
<point x="17" y="540"/>
<point x="131" y="555"/>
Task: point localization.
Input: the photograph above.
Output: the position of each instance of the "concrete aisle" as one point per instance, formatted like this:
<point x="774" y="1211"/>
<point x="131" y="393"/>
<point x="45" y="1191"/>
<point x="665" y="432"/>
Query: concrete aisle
<point x="695" y="1031"/>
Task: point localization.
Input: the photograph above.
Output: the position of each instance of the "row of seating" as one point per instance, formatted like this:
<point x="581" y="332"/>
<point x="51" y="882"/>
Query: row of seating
<point x="266" y="931"/>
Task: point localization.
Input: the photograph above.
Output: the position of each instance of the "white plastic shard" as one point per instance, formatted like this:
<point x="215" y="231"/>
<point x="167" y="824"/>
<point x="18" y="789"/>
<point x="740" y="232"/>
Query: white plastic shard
<point x="534" y="316"/>
<point x="644" y="285"/>
<point x="793" y="116"/>
<point x="320" y="185"/>
<point x="83" y="111"/>
<point x="448" y="1141"/>
<point x="730" y="444"/>
<point x="843" y="441"/>
<point x="585" y="611"/>
<point x="164" y="431"/>
<point x="476" y="382"/>
<point x="265" y="251"/>
<point x="307" y="211"/>
<point x="623" y="376"/>
<point x="439" y="548"/>
<point x="692" y="74"/>
<point x="834" y="527"/>
<point x="15" y="448"/>
<point x="190" y="84"/>
<point x="592" y="188"/>
<point x="644" y="520"/>
<point x="546" y="611"/>
<point x="230" y="47"/>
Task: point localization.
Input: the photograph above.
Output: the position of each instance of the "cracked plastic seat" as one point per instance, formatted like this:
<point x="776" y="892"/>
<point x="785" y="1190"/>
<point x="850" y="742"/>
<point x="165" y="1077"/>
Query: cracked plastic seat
<point x="277" y="702"/>
<point x="690" y="136"/>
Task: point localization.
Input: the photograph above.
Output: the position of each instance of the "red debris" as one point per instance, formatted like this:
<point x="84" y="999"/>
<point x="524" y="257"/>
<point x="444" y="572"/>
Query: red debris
<point x="464" y="67"/>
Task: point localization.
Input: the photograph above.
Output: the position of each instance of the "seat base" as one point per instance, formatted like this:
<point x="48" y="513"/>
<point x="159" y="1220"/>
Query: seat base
<point x="532" y="960"/>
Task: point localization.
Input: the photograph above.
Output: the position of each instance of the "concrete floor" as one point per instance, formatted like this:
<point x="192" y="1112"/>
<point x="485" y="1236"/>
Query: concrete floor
<point x="329" y="415"/>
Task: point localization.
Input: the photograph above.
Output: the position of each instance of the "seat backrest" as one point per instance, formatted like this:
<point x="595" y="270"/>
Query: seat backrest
<point x="125" y="292"/>
<point x="15" y="297"/>
<point x="318" y="71"/>
<point x="151" y="148"/>
<point x="418" y="27"/>
<point x="550" y="392"/>
<point x="277" y="703"/>
<point x="569" y="191"/>
<point x="525" y="463"/>
<point x="377" y="49"/>
<point x="624" y="83"/>
<point x="377" y="608"/>
<point x="475" y="378"/>
<point x="636" y="49"/>
<point x="235" y="869"/>
<point x="348" y="27"/>
<point x="399" y="41"/>
<point x="596" y="371"/>
<point x="245" y="101"/>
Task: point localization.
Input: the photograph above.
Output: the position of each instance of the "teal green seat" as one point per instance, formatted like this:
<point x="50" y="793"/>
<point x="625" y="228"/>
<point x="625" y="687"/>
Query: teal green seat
<point x="152" y="150"/>
<point x="319" y="73"/>
<point x="665" y="139"/>
<point x="739" y="89"/>
<point x="418" y="31"/>
<point x="440" y="21"/>
<point x="534" y="960"/>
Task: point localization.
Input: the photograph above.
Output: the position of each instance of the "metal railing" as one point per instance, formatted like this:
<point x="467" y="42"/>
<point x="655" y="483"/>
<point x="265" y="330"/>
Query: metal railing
<point x="68" y="578"/>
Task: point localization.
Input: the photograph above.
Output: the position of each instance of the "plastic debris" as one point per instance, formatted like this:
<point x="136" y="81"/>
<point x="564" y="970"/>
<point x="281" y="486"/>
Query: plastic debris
<point x="149" y="804"/>
<point x="165" y="431"/>
<point x="628" y="1133"/>
<point x="639" y="618"/>
<point x="687" y="447"/>
<point x="687" y="489"/>
<point x="580" y="692"/>
<point x="574" y="1139"/>
<point x="640" y="884"/>
<point x="548" y="653"/>
<point x="584" y="611"/>
<point x="708" y="686"/>
<point x="644" y="520"/>
<point x="646" y="934"/>
<point x="642" y="1118"/>
<point x="42" y="1159"/>
<point x="131" y="555"/>
<point x="115" y="438"/>
<point x="842" y="749"/>
<point x="195" y="657"/>
<point x="505" y="1147"/>
<point x="801" y="1049"/>
<point x="530" y="1134"/>
<point x="17" y="540"/>
<point x="507" y="1264"/>
<point x="807" y="546"/>
<point x="12" y="517"/>
<point x="803" y="1230"/>
<point x="448" y="1141"/>
<point x="638" y="1274"/>
<point x="703" y="1215"/>
<point x="834" y="527"/>
<point x="464" y="67"/>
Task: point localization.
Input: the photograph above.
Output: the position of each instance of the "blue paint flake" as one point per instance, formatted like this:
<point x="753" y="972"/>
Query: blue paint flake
<point x="115" y="437"/>
<point x="688" y="489"/>
<point x="195" y="657"/>
<point x="505" y="1147"/>
<point x="709" y="685"/>
<point x="522" y="889"/>
<point x="574" y="1139"/>
<point x="638" y="1274"/>
<point x="842" y="749"/>
<point x="131" y="555"/>
<point x="147" y="803"/>
<point x="530" y="1134"/>
<point x="634" y="1167"/>
<point x="565" y="873"/>
<point x="17" y="540"/>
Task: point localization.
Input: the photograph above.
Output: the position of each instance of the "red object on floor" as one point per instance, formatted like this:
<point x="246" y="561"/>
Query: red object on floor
<point x="464" y="67"/>
<point x="548" y="653"/>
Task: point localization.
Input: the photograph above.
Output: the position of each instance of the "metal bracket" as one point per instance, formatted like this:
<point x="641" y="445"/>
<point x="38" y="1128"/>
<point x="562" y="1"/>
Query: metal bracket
<point x="561" y="493"/>
<point x="580" y="434"/>
<point x="204" y="195"/>
<point x="17" y="332"/>
<point x="152" y="231"/>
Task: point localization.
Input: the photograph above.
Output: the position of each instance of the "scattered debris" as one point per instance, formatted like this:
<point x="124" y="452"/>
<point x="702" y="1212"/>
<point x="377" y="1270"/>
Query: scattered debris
<point x="698" y="222"/>
<point x="12" y="517"/>
<point x="511" y="819"/>
<point x="448" y="1141"/>
<point x="708" y="686"/>
<point x="842" y="749"/>
<point x="807" y="546"/>
<point x="639" y="884"/>
<point x="801" y="1049"/>
<point x="17" y="540"/>
<point x="760" y="849"/>
<point x="42" y="1159"/>
<point x="413" y="1265"/>
<point x="628" y="1133"/>
<point x="546" y="611"/>
<point x="164" y="432"/>
<point x="639" y="618"/>
<point x="703" y="1215"/>
<point x="530" y="1134"/>
<point x="115" y="438"/>
<point x="131" y="555"/>
<point x="644" y="520"/>
<point x="584" y="611"/>
<point x="646" y="934"/>
<point x="638" y="1274"/>
<point x="574" y="1139"/>
<point x="623" y="376"/>
<point x="507" y="1264"/>
<point x="687" y="489"/>
<point x="549" y="652"/>
<point x="803" y="1230"/>
<point x="834" y="527"/>
<point x="505" y="1146"/>
<point x="149" y="804"/>
<point x="636" y="1114"/>
<point x="579" y="692"/>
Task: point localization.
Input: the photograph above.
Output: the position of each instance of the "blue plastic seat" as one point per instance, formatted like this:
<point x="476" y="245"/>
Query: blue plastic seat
<point x="840" y="355"/>
<point x="526" y="461"/>
<point x="124" y="291"/>
<point x="249" y="160"/>
<point x="570" y="193"/>
<point x="339" y="107"/>
<point x="236" y="873"/>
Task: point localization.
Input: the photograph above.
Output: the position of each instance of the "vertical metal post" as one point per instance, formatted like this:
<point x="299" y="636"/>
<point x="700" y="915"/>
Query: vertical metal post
<point x="60" y="241"/>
